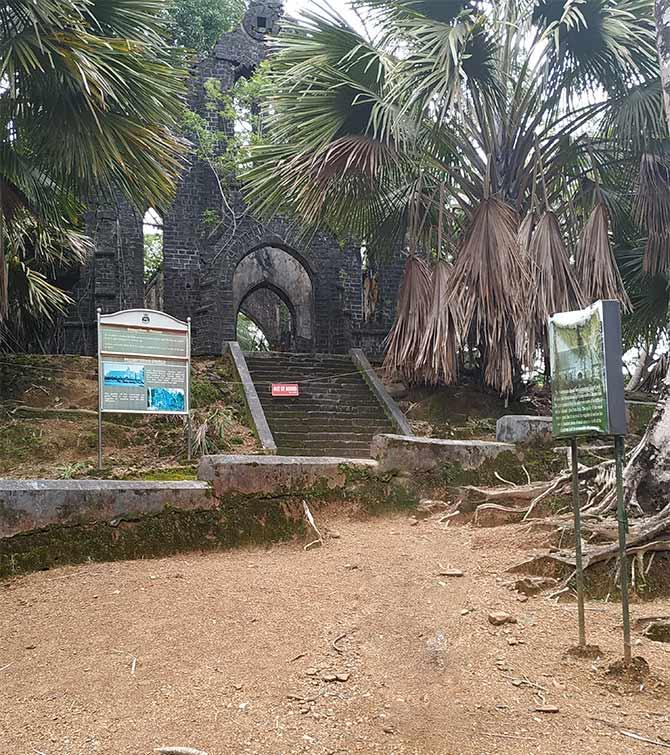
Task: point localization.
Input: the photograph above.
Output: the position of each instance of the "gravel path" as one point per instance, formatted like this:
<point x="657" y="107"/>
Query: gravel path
<point x="359" y="647"/>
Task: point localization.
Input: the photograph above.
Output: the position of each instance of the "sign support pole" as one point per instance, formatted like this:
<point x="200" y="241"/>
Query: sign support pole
<point x="623" y="560"/>
<point x="189" y="425"/>
<point x="99" y="312"/>
<point x="579" y="568"/>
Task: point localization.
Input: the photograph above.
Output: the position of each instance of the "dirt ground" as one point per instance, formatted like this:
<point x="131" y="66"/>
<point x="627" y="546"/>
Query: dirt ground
<point x="238" y="652"/>
<point x="50" y="427"/>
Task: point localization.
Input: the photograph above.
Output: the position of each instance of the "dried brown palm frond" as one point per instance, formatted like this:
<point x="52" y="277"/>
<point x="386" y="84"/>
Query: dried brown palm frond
<point x="404" y="340"/>
<point x="597" y="270"/>
<point x="652" y="211"/>
<point x="554" y="285"/>
<point x="526" y="228"/>
<point x="490" y="284"/>
<point x="438" y="356"/>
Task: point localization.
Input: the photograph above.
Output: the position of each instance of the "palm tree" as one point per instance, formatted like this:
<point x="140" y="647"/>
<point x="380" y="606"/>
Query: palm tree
<point x="89" y="103"/>
<point x="525" y="112"/>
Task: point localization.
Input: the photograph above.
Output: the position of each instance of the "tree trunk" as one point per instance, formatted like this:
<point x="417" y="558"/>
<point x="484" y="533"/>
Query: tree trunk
<point x="647" y="475"/>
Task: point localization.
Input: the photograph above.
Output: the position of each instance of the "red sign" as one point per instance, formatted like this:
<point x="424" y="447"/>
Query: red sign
<point x="285" y="390"/>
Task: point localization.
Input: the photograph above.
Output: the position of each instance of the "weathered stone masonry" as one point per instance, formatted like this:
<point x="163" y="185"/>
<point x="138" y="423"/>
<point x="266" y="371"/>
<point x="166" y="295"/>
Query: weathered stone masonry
<point x="207" y="273"/>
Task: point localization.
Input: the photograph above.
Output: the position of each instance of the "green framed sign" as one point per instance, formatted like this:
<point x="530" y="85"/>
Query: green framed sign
<point x="586" y="371"/>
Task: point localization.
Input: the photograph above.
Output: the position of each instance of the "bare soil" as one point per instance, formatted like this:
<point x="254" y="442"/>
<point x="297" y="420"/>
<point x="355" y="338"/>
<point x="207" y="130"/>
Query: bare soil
<point x="45" y="433"/>
<point x="240" y="652"/>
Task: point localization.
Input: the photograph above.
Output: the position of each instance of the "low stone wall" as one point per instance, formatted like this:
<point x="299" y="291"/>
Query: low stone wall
<point x="415" y="454"/>
<point x="279" y="475"/>
<point x="239" y="500"/>
<point x="34" y="504"/>
<point x="523" y="428"/>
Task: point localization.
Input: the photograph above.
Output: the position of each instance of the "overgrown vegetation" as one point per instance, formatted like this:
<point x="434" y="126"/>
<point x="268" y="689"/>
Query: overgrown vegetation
<point x="507" y="138"/>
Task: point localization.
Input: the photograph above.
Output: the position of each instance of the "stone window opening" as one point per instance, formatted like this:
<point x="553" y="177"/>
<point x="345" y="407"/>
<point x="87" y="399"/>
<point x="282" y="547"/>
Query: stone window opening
<point x="153" y="259"/>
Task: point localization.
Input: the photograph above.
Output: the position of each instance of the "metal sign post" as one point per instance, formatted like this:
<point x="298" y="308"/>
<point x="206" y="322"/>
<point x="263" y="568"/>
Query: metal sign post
<point x="588" y="399"/>
<point x="620" y="451"/>
<point x="144" y="366"/>
<point x="579" y="567"/>
<point x="99" y="311"/>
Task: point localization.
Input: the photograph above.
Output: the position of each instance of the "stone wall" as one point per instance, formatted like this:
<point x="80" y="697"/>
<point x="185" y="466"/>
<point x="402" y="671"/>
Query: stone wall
<point x="207" y="236"/>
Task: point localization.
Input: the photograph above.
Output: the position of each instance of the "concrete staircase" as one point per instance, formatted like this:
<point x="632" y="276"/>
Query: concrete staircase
<point x="336" y="413"/>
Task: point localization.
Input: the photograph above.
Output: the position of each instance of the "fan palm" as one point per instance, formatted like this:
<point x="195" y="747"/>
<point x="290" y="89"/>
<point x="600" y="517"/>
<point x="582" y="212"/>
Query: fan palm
<point x="486" y="104"/>
<point x="88" y="102"/>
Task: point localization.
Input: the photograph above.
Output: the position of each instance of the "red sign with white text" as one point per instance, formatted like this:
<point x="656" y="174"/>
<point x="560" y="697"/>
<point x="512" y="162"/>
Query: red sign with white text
<point x="285" y="390"/>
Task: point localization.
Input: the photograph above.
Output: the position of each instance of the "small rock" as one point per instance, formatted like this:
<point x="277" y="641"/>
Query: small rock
<point x="413" y="522"/>
<point x="244" y="707"/>
<point x="534" y="585"/>
<point x="512" y="641"/>
<point x="388" y="730"/>
<point x="498" y="618"/>
<point x="522" y="598"/>
<point x="450" y="573"/>
<point x="465" y="612"/>
<point x="31" y="647"/>
<point x="658" y="631"/>
<point x="238" y="687"/>
<point x="351" y="567"/>
<point x="329" y="677"/>
<point x="334" y="534"/>
<point x="343" y="677"/>
<point x="312" y="671"/>
<point x="546" y="709"/>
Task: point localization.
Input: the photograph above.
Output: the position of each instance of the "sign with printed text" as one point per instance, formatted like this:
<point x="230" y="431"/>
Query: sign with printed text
<point x="587" y="387"/>
<point x="143" y="361"/>
<point x="285" y="390"/>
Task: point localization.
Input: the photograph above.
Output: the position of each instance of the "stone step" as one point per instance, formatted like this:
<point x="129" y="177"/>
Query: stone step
<point x="323" y="414"/>
<point x="306" y="381"/>
<point x="369" y="425"/>
<point x="353" y="453"/>
<point x="325" y="436"/>
<point x="343" y="365"/>
<point x="315" y="385"/>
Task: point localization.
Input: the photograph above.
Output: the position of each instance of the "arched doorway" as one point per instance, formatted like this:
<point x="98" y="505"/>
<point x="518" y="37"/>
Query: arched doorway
<point x="273" y="288"/>
<point x="265" y="321"/>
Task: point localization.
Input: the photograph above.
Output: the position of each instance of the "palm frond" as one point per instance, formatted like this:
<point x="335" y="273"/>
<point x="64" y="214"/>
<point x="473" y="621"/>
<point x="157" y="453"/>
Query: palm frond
<point x="403" y="343"/>
<point x="437" y="359"/>
<point x="652" y="210"/>
<point x="597" y="270"/>
<point x="490" y="284"/>
<point x="554" y="286"/>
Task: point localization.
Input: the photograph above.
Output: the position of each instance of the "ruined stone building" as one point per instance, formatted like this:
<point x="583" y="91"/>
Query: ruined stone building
<point x="329" y="300"/>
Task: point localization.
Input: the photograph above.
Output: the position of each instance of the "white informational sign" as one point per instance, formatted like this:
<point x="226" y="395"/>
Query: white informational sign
<point x="144" y="362"/>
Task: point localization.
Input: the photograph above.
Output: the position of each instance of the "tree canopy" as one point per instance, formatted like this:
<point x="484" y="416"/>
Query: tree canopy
<point x="198" y="24"/>
<point x="90" y="103"/>
<point x="491" y="136"/>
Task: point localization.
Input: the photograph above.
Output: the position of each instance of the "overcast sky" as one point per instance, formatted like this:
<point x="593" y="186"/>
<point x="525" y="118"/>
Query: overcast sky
<point x="293" y="7"/>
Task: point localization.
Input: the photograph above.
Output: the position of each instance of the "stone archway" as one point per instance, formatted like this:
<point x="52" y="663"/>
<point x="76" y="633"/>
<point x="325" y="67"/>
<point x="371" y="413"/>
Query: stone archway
<point x="272" y="315"/>
<point x="280" y="271"/>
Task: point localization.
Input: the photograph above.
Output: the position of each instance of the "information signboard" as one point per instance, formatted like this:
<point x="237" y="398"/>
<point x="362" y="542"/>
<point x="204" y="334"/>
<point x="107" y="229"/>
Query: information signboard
<point x="587" y="385"/>
<point x="144" y="362"/>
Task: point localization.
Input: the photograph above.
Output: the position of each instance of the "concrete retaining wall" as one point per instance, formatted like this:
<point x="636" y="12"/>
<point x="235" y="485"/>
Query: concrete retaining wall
<point x="34" y="504"/>
<point x="278" y="475"/>
<point x="415" y="454"/>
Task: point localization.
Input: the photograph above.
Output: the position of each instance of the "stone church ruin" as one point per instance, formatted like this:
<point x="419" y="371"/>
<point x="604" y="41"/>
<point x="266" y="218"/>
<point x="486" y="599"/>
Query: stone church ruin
<point x="305" y="296"/>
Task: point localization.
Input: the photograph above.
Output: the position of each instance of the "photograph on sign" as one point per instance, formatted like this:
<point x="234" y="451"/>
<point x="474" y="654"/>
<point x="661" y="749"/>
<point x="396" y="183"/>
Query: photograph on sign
<point x="586" y="371"/>
<point x="149" y="385"/>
